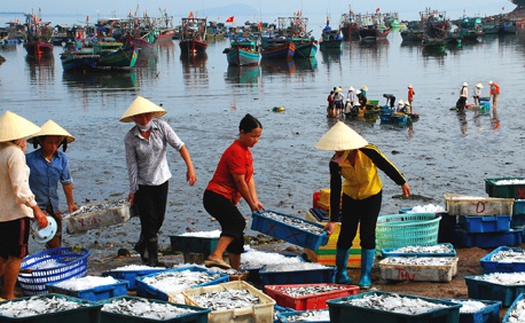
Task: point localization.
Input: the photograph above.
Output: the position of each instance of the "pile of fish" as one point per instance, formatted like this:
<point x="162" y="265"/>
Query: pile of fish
<point x="179" y="280"/>
<point x="256" y="259"/>
<point x="310" y="316"/>
<point x="419" y="261"/>
<point x="295" y="222"/>
<point x="222" y="300"/>
<point x="508" y="279"/>
<point x="202" y="234"/>
<point x="437" y="248"/>
<point x="140" y="307"/>
<point x="99" y="207"/>
<point x="87" y="282"/>
<point x="517" y="314"/>
<point x="469" y="306"/>
<point x="306" y="290"/>
<point x="510" y="255"/>
<point x="302" y="266"/>
<point x="394" y="303"/>
<point x="37" y="305"/>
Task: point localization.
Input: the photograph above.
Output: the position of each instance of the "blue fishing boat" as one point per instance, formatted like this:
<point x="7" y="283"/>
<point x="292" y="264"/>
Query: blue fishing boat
<point x="331" y="39"/>
<point x="295" y="29"/>
<point x="277" y="48"/>
<point x="242" y="52"/>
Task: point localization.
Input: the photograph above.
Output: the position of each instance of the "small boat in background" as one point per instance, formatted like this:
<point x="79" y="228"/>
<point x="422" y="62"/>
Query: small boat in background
<point x="242" y="52"/>
<point x="331" y="39"/>
<point x="193" y="36"/>
<point x="39" y="36"/>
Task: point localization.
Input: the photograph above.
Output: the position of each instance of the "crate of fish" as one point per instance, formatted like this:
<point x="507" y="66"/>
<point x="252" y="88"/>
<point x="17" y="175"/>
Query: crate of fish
<point x="308" y="296"/>
<point x="384" y="307"/>
<point x="171" y="282"/>
<point x="49" y="266"/>
<point x="49" y="308"/>
<point x="513" y="237"/>
<point x="252" y="261"/>
<point x="290" y="229"/>
<point x="130" y="272"/>
<point x="516" y="311"/>
<point x="503" y="259"/>
<point x="431" y="269"/>
<point x="503" y="287"/>
<point x="91" y="288"/>
<point x="234" y="302"/>
<point x="478" y="311"/>
<point x="445" y="249"/>
<point x="506" y="187"/>
<point x="196" y="242"/>
<point x="131" y="309"/>
<point x="400" y="230"/>
<point x="96" y="216"/>
<point x="303" y="273"/>
<point x="315" y="316"/>
<point x="481" y="224"/>
<point x="457" y="204"/>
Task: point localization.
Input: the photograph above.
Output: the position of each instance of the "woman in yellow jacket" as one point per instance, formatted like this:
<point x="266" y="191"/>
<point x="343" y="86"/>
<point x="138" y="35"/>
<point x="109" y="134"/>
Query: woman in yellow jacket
<point x="357" y="162"/>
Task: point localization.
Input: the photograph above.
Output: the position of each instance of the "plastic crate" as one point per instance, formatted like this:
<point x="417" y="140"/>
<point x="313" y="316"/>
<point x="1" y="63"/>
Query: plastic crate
<point x="487" y="314"/>
<point x="516" y="191"/>
<point x="518" y="221"/>
<point x="341" y="312"/>
<point x="88" y="312"/>
<point x="519" y="300"/>
<point x="309" y="301"/>
<point x="149" y="291"/>
<point x="490" y="266"/>
<point x="431" y="273"/>
<point x="481" y="224"/>
<point x="97" y="293"/>
<point x="105" y="214"/>
<point x="480" y="289"/>
<point x="200" y="315"/>
<point x="519" y="207"/>
<point x="130" y="275"/>
<point x="513" y="237"/>
<point x="50" y="266"/>
<point x="279" y="309"/>
<point x="457" y="204"/>
<point x="287" y="232"/>
<point x="310" y="276"/>
<point x="260" y="313"/>
<point x="204" y="245"/>
<point x="400" y="230"/>
<point x="395" y="252"/>
<point x="293" y="316"/>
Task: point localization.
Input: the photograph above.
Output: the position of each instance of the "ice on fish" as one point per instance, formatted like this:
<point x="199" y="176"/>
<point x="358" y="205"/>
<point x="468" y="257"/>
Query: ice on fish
<point x="87" y="282"/>
<point x="255" y="259"/>
<point x="438" y="248"/>
<point x="134" y="268"/>
<point x="428" y="208"/>
<point x="227" y="299"/>
<point x="294" y="267"/>
<point x="139" y="307"/>
<point x="517" y="314"/>
<point x="310" y="316"/>
<point x="179" y="280"/>
<point x="508" y="256"/>
<point x="394" y="303"/>
<point x="295" y="222"/>
<point x="469" y="306"/>
<point x="508" y="279"/>
<point x="515" y="181"/>
<point x="306" y="290"/>
<point x="202" y="234"/>
<point x="37" y="305"/>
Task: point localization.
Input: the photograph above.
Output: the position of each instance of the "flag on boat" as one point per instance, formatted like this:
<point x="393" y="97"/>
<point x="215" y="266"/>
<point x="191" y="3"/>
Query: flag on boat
<point x="378" y="9"/>
<point x="191" y="14"/>
<point x="230" y="19"/>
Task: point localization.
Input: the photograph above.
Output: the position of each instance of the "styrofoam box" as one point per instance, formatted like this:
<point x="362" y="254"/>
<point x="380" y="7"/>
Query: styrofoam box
<point x="80" y="222"/>
<point x="457" y="204"/>
<point x="260" y="313"/>
<point x="431" y="273"/>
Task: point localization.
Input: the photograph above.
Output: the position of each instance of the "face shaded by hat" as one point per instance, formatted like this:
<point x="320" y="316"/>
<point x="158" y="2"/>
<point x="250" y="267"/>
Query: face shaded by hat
<point x="341" y="137"/>
<point x="51" y="128"/>
<point x="13" y="127"/>
<point x="141" y="106"/>
<point x="410" y="86"/>
<point x="479" y="86"/>
<point x="364" y="88"/>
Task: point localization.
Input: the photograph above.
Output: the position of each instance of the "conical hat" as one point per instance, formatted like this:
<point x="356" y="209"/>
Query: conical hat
<point x="13" y="127"/>
<point x="341" y="137"/>
<point x="51" y="128"/>
<point x="139" y="106"/>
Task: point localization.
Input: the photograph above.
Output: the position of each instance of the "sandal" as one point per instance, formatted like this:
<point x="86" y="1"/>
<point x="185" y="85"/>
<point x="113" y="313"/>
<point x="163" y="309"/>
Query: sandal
<point x="216" y="263"/>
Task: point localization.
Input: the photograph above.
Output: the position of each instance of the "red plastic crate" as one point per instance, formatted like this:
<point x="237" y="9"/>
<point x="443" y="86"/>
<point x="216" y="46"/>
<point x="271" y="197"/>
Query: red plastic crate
<point x="308" y="302"/>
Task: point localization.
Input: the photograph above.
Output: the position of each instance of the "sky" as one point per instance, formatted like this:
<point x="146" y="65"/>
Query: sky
<point x="258" y="9"/>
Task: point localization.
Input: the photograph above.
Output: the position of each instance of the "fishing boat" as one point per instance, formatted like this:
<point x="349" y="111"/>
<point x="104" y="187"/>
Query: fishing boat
<point x="331" y="39"/>
<point x="277" y="48"/>
<point x="294" y="28"/>
<point x="39" y="37"/>
<point x="193" y="36"/>
<point x="242" y="52"/>
<point x="349" y="25"/>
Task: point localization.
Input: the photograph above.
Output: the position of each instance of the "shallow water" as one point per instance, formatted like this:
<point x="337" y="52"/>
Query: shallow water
<point x="206" y="100"/>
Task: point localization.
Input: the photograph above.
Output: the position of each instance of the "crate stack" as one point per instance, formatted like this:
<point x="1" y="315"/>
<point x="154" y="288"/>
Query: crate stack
<point x="326" y="254"/>
<point x="510" y="187"/>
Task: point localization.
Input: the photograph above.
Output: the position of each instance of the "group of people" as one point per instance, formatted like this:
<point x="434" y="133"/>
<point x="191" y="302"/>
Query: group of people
<point x="494" y="92"/>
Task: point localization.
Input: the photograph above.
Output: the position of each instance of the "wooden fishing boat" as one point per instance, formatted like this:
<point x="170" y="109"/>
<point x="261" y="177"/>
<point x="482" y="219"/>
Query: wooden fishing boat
<point x="277" y="48"/>
<point x="39" y="35"/>
<point x="373" y="32"/>
<point x="349" y="25"/>
<point x="295" y="30"/>
<point x="305" y="47"/>
<point x="331" y="39"/>
<point x="193" y="36"/>
<point x="242" y="52"/>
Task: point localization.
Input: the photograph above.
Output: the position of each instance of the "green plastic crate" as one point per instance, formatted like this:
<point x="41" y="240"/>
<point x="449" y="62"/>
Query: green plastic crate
<point x="516" y="191"/>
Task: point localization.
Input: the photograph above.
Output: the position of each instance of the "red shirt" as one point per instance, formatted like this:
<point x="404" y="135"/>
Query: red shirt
<point x="236" y="159"/>
<point x="410" y="93"/>
<point x="494" y="88"/>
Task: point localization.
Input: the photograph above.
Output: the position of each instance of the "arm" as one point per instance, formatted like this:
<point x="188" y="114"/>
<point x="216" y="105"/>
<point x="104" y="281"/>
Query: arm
<point x="132" y="167"/>
<point x="335" y="196"/>
<point x="190" y="173"/>
<point x="244" y="189"/>
<point x="68" y="191"/>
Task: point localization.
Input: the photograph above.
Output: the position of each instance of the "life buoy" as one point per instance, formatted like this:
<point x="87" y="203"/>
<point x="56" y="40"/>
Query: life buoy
<point x="302" y="34"/>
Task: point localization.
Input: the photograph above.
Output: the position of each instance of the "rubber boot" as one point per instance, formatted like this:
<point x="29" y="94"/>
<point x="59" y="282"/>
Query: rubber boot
<point x="153" y="252"/>
<point x="367" y="261"/>
<point x="140" y="247"/>
<point x="341" y="262"/>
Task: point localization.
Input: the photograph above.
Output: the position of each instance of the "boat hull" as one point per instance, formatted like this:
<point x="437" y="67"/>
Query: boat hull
<point x="305" y="48"/>
<point x="38" y="48"/>
<point x="284" y="51"/>
<point x="79" y="61"/>
<point x="192" y="47"/>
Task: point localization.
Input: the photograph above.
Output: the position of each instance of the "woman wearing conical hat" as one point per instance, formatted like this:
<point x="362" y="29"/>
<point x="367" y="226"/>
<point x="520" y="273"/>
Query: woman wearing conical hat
<point x="357" y="162"/>
<point x="17" y="203"/>
<point x="148" y="172"/>
<point x="49" y="166"/>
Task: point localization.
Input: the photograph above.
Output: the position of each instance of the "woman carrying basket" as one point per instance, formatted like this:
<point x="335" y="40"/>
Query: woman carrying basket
<point x="357" y="162"/>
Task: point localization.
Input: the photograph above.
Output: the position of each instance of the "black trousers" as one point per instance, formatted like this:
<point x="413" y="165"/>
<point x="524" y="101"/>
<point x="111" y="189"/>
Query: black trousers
<point x="151" y="203"/>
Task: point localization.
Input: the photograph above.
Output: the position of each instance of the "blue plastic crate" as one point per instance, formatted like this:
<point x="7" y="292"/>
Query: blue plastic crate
<point x="93" y="294"/>
<point x="519" y="207"/>
<point x="513" y="237"/>
<point x="200" y="315"/>
<point x="392" y="252"/>
<point x="310" y="276"/>
<point x="287" y="232"/>
<point x="340" y="312"/>
<point x="518" y="300"/>
<point x="481" y="224"/>
<point x="279" y="309"/>
<point x="490" y="266"/>
<point x="488" y="314"/>
<point x="479" y="289"/>
<point x="130" y="275"/>
<point x="284" y="317"/>
<point x="148" y="291"/>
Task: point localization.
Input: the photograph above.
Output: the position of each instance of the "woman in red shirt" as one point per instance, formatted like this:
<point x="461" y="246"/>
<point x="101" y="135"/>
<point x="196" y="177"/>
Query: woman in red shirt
<point x="232" y="180"/>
